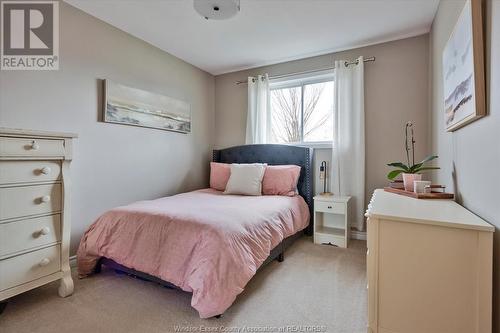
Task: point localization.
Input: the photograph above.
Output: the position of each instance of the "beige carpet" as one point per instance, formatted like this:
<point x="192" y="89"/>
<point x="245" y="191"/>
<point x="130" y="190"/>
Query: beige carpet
<point x="315" y="285"/>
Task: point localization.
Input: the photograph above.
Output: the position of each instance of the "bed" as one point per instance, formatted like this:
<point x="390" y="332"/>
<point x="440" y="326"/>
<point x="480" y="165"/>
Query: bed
<point x="204" y="242"/>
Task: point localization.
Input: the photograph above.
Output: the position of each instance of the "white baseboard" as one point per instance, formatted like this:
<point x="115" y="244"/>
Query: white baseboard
<point x="72" y="261"/>
<point x="361" y="235"/>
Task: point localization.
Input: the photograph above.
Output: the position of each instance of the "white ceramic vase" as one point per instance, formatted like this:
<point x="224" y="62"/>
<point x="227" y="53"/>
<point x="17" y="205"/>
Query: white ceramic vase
<point x="409" y="178"/>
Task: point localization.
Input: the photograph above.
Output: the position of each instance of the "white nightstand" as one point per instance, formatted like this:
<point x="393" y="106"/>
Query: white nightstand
<point x="331" y="220"/>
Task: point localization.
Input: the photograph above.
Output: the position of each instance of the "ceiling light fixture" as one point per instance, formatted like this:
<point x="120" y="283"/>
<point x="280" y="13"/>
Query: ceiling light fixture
<point x="217" y="9"/>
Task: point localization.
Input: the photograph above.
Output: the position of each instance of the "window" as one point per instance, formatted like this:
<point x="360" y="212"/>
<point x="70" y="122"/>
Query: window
<point x="302" y="110"/>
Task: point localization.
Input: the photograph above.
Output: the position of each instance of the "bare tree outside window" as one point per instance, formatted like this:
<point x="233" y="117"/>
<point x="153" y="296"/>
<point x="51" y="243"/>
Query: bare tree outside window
<point x="286" y="114"/>
<point x="289" y="124"/>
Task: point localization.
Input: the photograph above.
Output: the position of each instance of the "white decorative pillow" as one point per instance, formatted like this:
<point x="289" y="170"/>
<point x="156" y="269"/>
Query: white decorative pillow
<point x="246" y="179"/>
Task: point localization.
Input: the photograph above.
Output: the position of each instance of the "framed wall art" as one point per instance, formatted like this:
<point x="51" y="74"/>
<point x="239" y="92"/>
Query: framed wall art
<point x="132" y="106"/>
<point x="463" y="69"/>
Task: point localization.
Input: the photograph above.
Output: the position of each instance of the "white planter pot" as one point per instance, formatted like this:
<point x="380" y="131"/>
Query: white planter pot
<point x="409" y="178"/>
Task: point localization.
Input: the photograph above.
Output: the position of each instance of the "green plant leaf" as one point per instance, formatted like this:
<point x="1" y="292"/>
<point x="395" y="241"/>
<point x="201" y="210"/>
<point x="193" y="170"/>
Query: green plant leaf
<point x="426" y="168"/>
<point x="399" y="165"/>
<point x="415" y="167"/>
<point x="394" y="173"/>
<point x="429" y="158"/>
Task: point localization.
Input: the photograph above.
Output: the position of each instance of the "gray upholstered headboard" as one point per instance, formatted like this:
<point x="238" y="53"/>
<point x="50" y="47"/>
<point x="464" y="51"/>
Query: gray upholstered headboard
<point x="275" y="155"/>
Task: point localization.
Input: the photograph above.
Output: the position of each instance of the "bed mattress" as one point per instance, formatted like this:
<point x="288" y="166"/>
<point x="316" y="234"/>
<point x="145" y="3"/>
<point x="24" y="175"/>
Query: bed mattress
<point x="203" y="241"/>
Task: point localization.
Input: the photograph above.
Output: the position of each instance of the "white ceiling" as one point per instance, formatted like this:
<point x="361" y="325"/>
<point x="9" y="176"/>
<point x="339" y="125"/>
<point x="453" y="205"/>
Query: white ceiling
<point x="265" y="31"/>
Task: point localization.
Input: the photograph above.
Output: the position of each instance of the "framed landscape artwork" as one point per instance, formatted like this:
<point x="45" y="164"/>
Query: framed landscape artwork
<point x="463" y="69"/>
<point x="131" y="106"/>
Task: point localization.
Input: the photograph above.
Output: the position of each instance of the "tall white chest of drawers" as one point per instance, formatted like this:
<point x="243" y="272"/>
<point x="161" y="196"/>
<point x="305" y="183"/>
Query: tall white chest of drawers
<point x="429" y="267"/>
<point x="34" y="210"/>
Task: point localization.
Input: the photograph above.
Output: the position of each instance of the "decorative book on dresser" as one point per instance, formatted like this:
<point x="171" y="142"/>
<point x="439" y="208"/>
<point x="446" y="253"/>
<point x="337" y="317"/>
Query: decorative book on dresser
<point x="429" y="267"/>
<point x="34" y="210"/>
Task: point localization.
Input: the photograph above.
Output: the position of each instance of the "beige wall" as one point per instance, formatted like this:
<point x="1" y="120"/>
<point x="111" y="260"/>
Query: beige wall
<point x="396" y="91"/>
<point x="470" y="157"/>
<point x="113" y="164"/>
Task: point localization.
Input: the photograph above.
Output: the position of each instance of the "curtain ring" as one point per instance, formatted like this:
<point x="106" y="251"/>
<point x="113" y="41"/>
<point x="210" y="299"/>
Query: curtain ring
<point x="346" y="64"/>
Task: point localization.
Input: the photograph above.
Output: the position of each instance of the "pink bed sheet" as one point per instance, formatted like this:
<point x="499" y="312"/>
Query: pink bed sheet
<point x="204" y="242"/>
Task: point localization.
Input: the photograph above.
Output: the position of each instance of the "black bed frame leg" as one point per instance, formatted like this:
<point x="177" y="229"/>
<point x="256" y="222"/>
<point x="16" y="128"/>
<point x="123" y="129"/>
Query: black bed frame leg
<point x="98" y="267"/>
<point x="281" y="257"/>
<point x="3" y="305"/>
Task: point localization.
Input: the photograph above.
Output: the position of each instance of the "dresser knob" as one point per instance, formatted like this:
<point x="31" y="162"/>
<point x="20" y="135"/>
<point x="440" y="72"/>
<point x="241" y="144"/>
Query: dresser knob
<point x="35" y="145"/>
<point x="45" y="170"/>
<point x="44" y="231"/>
<point x="329" y="207"/>
<point x="45" y="198"/>
<point x="44" y="262"/>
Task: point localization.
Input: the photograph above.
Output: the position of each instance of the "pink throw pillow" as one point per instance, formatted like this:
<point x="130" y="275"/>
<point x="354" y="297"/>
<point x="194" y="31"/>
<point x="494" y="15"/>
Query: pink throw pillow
<point x="280" y="180"/>
<point x="219" y="175"/>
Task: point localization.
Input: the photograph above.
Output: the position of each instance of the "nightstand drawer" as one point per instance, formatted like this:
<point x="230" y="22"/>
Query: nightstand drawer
<point x="329" y="207"/>
<point x="23" y="147"/>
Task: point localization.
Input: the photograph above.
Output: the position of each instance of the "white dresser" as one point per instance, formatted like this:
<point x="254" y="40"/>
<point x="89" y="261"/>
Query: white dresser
<point x="429" y="267"/>
<point x="34" y="211"/>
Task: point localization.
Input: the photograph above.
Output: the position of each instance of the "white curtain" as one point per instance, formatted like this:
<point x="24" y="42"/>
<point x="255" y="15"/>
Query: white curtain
<point x="259" y="110"/>
<point x="348" y="155"/>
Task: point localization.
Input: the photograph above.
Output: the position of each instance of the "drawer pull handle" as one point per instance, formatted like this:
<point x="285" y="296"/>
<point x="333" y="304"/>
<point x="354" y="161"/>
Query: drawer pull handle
<point x="45" y="198"/>
<point x="44" y="262"/>
<point x="329" y="207"/>
<point x="44" y="231"/>
<point x="35" y="145"/>
<point x="45" y="170"/>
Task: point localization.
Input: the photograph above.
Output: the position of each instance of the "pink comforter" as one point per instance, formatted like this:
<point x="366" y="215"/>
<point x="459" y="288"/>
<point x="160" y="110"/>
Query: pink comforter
<point x="204" y="242"/>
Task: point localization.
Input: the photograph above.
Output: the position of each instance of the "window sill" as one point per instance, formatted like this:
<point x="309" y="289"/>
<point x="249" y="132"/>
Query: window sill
<point x="315" y="145"/>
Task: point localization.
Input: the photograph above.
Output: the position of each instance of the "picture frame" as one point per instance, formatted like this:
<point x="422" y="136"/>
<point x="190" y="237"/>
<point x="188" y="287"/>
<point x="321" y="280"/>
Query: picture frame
<point x="463" y="69"/>
<point x="136" y="107"/>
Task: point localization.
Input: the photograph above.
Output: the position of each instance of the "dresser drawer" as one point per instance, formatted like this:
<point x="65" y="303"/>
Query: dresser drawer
<point x="12" y="172"/>
<point x="30" y="266"/>
<point x="329" y="207"/>
<point x="30" y="233"/>
<point x="23" y="147"/>
<point x="29" y="200"/>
